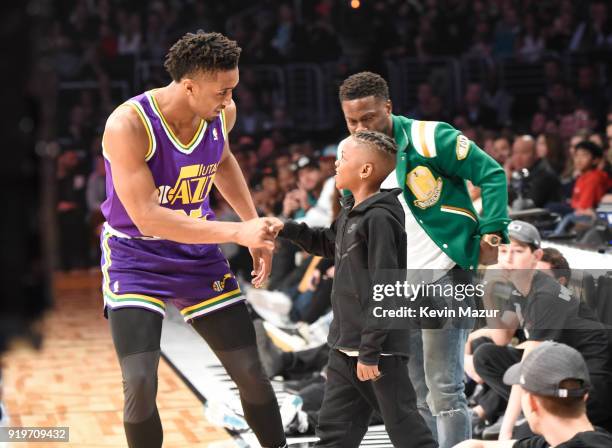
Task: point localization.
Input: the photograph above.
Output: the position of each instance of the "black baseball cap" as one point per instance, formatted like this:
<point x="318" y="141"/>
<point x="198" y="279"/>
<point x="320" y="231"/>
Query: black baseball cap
<point x="544" y="368"/>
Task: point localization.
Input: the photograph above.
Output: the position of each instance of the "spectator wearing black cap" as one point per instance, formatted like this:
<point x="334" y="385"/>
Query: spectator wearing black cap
<point x="591" y="185"/>
<point x="545" y="310"/>
<point x="554" y="380"/>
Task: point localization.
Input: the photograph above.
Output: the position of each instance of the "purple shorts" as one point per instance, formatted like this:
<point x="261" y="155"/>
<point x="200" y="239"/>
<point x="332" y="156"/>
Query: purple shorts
<point x="196" y="278"/>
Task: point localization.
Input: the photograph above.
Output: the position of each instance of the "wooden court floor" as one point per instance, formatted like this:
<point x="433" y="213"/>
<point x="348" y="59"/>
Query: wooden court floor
<point x="75" y="380"/>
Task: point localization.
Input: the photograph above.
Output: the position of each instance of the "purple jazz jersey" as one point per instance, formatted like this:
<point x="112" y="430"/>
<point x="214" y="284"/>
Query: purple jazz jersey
<point x="145" y="271"/>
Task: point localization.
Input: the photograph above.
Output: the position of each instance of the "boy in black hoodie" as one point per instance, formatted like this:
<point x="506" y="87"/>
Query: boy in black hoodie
<point x="367" y="367"/>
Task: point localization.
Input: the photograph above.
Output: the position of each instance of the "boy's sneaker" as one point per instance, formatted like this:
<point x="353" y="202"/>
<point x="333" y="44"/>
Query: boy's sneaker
<point x="295" y="421"/>
<point x="221" y="415"/>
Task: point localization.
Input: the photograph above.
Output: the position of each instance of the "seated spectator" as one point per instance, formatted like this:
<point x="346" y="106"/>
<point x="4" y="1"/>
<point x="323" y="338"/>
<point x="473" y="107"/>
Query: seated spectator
<point x="286" y="179"/>
<point x="553" y="263"/>
<point x="501" y="150"/>
<point x="251" y="119"/>
<point x="424" y="96"/>
<point x="312" y="203"/>
<point x="554" y="382"/>
<point x="550" y="147"/>
<point x="590" y="187"/>
<point x="531" y="41"/>
<point x="497" y="98"/>
<point x="327" y="161"/>
<point x="533" y="179"/>
<point x="299" y="202"/>
<point x="486" y="401"/>
<point x="95" y="195"/>
<point x="288" y="364"/>
<point x="71" y="212"/>
<point x="130" y="37"/>
<point x="544" y="310"/>
<point x="475" y="109"/>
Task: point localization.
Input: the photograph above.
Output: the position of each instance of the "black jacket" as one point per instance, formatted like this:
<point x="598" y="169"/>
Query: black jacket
<point x="366" y="242"/>
<point x="542" y="186"/>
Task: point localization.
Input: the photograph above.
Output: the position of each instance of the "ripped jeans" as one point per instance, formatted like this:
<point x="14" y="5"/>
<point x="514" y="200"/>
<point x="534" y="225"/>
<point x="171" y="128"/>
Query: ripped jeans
<point x="436" y="372"/>
<point x="436" y="369"/>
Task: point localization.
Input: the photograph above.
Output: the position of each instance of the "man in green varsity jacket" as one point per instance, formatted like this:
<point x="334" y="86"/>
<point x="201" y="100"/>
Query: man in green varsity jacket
<point x="445" y="234"/>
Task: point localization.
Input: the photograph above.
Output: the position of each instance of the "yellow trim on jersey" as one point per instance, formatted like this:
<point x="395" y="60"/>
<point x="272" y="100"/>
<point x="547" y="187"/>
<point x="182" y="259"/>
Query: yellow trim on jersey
<point x="146" y="126"/>
<point x="169" y="129"/>
<point x="210" y="301"/>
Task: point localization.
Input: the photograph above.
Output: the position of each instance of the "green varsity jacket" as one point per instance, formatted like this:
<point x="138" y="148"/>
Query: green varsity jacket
<point x="433" y="162"/>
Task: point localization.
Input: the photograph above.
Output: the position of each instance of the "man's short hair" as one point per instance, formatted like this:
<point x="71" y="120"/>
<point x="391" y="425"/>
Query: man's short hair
<point x="362" y="85"/>
<point x="205" y="52"/>
<point x="564" y="407"/>
<point x="558" y="263"/>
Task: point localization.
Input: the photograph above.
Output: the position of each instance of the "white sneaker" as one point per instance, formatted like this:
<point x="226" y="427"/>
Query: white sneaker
<point x="269" y="300"/>
<point x="221" y="415"/>
<point x="294" y="419"/>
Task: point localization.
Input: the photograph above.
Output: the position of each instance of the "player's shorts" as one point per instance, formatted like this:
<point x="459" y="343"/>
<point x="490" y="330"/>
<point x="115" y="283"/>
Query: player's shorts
<point x="151" y="273"/>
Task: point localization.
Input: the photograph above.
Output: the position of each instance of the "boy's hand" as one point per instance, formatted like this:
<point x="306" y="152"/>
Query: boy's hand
<point x="276" y="225"/>
<point x="258" y="233"/>
<point x="366" y="373"/>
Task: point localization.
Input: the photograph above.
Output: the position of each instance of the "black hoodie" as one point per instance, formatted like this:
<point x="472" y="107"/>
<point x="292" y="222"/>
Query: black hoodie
<point x="366" y="241"/>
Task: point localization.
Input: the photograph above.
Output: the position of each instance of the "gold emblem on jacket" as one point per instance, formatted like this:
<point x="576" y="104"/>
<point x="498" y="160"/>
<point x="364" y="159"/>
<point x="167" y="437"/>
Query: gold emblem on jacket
<point x="424" y="186"/>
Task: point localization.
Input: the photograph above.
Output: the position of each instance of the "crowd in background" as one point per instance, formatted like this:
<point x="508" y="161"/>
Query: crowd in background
<point x="556" y="146"/>
<point x="100" y="41"/>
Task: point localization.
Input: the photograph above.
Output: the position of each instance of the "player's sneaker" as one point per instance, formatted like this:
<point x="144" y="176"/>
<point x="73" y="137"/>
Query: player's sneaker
<point x="295" y="421"/>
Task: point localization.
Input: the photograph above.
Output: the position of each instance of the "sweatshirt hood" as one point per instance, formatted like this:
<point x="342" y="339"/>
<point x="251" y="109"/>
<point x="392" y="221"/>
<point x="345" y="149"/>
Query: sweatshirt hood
<point x="385" y="199"/>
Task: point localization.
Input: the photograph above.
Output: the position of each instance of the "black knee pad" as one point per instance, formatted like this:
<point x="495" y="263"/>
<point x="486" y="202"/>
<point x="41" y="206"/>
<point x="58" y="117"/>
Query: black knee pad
<point x="244" y="367"/>
<point x="139" y="372"/>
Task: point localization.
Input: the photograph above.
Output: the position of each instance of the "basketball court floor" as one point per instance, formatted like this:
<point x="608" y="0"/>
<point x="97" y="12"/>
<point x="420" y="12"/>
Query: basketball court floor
<point x="75" y="381"/>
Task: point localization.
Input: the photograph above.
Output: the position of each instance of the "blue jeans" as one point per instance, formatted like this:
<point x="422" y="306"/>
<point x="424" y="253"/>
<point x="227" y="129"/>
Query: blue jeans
<point x="436" y="371"/>
<point x="435" y="367"/>
<point x="569" y="220"/>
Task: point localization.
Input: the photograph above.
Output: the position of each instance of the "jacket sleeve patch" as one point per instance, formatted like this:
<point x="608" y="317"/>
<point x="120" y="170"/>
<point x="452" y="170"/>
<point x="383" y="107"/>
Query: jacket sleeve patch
<point x="463" y="147"/>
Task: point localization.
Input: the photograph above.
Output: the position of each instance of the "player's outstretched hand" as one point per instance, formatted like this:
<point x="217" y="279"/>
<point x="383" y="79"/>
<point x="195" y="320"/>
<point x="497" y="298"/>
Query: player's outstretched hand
<point x="262" y="265"/>
<point x="276" y="225"/>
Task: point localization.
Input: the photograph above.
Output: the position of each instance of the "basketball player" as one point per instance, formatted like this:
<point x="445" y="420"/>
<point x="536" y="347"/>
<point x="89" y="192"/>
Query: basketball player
<point x="446" y="237"/>
<point x="164" y="149"/>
